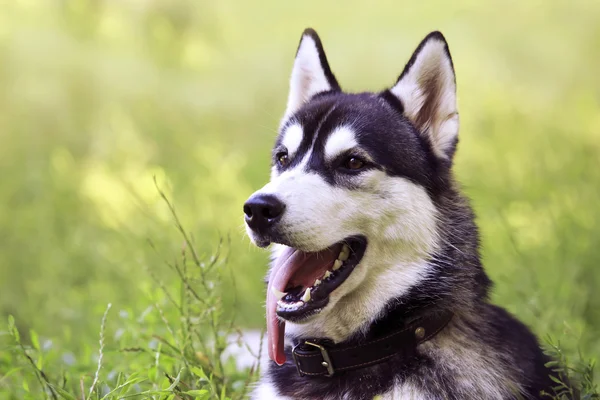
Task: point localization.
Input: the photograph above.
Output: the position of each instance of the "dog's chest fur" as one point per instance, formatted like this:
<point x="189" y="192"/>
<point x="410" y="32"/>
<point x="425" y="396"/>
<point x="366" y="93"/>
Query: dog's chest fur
<point x="468" y="360"/>
<point x="448" y="377"/>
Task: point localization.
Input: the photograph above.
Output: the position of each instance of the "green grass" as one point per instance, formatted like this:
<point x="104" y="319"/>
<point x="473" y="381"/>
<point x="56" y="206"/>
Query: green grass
<point x="97" y="98"/>
<point x="179" y="352"/>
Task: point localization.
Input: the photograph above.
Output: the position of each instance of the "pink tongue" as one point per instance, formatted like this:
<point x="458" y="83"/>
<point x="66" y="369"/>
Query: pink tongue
<point x="291" y="262"/>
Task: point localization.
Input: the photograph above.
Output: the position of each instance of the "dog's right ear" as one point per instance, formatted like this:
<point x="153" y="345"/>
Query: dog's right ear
<point x="311" y="73"/>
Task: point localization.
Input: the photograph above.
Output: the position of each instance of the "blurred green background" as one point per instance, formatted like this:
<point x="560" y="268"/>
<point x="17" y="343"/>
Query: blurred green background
<point x="97" y="97"/>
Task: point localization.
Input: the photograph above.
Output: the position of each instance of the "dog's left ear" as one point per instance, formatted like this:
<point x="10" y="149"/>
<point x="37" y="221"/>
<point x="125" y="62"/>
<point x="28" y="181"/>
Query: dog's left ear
<point x="427" y="91"/>
<point x="311" y="73"/>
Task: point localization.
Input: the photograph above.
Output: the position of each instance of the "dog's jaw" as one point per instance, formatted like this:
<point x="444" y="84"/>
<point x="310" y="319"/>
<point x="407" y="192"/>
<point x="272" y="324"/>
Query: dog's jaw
<point x="363" y="297"/>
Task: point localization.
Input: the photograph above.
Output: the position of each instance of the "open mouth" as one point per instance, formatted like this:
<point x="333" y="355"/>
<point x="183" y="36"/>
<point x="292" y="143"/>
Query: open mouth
<point x="301" y="282"/>
<point x="315" y="276"/>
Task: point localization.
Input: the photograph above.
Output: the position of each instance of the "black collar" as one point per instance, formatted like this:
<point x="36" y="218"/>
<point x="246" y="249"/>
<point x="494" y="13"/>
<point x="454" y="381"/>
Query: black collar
<point x="315" y="358"/>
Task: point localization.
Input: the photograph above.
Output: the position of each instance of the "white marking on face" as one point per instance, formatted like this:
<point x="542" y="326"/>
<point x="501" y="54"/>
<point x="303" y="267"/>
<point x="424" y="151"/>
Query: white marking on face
<point x="292" y="137"/>
<point x="340" y="140"/>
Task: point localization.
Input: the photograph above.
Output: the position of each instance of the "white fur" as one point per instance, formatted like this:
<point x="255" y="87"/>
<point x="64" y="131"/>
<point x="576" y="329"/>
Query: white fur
<point x="308" y="77"/>
<point x="292" y="137"/>
<point x="441" y="127"/>
<point x="266" y="391"/>
<point x="276" y="250"/>
<point x="404" y="391"/>
<point x="339" y="141"/>
<point x="478" y="372"/>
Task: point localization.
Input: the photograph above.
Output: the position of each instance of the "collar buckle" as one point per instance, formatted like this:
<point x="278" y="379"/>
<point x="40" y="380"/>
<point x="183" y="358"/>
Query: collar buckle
<point x="324" y="354"/>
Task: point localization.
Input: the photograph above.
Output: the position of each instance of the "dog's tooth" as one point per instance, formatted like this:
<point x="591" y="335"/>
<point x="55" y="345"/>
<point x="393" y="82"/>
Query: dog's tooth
<point x="317" y="282"/>
<point x="345" y="253"/>
<point x="306" y="296"/>
<point x="277" y="293"/>
<point x="337" y="264"/>
<point x="327" y="275"/>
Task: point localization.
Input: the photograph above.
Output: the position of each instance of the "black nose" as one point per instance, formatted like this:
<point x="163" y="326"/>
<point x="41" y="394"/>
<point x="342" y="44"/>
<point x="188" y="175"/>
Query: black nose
<point x="262" y="211"/>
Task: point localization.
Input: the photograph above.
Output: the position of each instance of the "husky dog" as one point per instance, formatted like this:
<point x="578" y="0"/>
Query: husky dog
<point x="376" y="287"/>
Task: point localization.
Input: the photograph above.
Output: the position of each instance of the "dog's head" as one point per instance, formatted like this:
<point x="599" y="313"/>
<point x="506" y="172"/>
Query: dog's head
<point x="350" y="207"/>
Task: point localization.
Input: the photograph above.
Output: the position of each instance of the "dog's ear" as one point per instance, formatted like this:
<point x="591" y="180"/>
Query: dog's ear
<point x="427" y="90"/>
<point x="311" y="73"/>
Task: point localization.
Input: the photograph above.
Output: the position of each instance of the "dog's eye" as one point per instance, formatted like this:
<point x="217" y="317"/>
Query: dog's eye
<point x="282" y="159"/>
<point x="354" y="163"/>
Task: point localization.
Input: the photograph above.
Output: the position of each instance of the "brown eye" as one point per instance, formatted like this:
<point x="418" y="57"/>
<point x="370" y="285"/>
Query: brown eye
<point x="283" y="159"/>
<point x="354" y="163"/>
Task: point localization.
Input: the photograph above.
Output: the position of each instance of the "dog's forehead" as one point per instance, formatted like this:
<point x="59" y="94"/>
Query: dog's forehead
<point x="332" y="124"/>
<point x="319" y="121"/>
